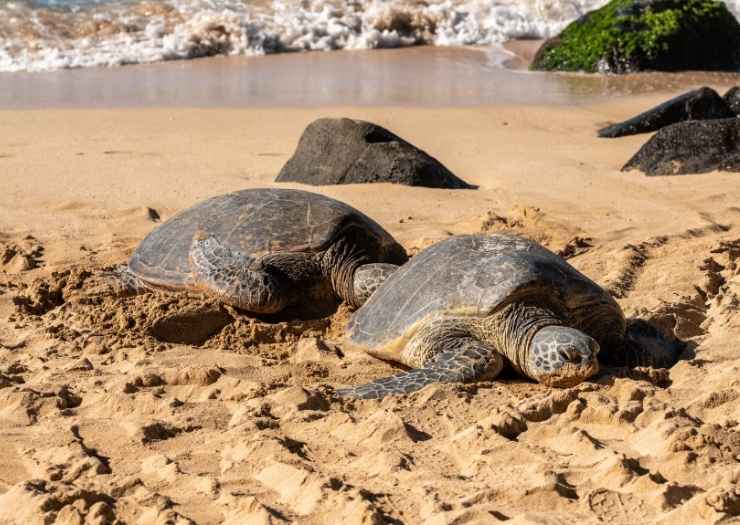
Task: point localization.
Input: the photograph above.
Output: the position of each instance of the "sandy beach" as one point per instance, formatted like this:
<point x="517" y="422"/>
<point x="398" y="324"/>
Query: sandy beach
<point x="102" y="421"/>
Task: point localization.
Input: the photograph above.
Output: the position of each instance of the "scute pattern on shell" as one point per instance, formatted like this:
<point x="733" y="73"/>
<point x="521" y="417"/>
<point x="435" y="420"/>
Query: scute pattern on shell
<point x="469" y="275"/>
<point x="255" y="222"/>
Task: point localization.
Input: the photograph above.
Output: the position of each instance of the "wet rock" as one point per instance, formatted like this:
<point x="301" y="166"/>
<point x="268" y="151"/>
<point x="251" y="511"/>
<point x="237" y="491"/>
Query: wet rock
<point x="699" y="104"/>
<point x="346" y="151"/>
<point x="698" y="146"/>
<point x="637" y="35"/>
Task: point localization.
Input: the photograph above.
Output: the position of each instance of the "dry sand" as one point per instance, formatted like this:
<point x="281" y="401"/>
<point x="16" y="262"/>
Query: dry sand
<point x="103" y="419"/>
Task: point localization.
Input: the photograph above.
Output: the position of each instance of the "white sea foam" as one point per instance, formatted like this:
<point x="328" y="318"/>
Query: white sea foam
<point x="37" y="39"/>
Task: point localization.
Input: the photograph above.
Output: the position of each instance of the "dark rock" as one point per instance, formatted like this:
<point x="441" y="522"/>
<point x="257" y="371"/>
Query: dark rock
<point x="694" y="146"/>
<point x="636" y="35"/>
<point x="699" y="104"/>
<point x="732" y="99"/>
<point x="345" y="151"/>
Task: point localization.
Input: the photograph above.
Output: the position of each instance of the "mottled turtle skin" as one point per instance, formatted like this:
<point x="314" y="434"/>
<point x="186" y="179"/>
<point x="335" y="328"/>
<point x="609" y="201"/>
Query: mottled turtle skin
<point x="268" y="250"/>
<point x="464" y="307"/>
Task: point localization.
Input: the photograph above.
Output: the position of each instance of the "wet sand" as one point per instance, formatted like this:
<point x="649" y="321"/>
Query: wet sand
<point x="102" y="418"/>
<point x="423" y="76"/>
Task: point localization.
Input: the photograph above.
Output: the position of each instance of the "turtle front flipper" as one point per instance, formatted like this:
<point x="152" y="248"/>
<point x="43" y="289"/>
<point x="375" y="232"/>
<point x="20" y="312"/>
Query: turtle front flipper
<point x="125" y="282"/>
<point x="235" y="278"/>
<point x="117" y="282"/>
<point x="469" y="359"/>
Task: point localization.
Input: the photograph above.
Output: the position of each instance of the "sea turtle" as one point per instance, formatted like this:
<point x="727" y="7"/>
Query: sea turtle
<point x="267" y="250"/>
<point x="462" y="308"/>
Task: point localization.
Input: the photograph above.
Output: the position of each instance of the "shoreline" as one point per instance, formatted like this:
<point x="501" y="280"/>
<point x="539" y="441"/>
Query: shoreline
<point x="523" y="50"/>
<point x="423" y="76"/>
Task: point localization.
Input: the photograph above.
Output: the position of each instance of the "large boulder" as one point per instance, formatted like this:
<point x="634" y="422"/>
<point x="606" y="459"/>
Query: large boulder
<point x="694" y="146"/>
<point x="637" y="35"/>
<point x="346" y="151"/>
<point x="700" y="104"/>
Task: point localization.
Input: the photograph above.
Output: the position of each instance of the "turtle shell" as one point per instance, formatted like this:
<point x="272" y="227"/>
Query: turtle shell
<point x="474" y="275"/>
<point x="258" y="222"/>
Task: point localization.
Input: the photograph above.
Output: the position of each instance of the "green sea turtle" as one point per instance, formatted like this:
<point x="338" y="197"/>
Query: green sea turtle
<point x="267" y="251"/>
<point x="464" y="307"/>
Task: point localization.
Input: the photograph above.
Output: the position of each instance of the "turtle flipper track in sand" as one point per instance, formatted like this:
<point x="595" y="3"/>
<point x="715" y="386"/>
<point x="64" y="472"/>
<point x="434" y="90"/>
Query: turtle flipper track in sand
<point x="635" y="257"/>
<point x="470" y="360"/>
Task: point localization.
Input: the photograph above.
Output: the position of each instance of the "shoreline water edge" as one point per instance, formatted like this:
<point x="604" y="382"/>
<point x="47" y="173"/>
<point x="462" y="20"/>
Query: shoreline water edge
<point x="46" y="35"/>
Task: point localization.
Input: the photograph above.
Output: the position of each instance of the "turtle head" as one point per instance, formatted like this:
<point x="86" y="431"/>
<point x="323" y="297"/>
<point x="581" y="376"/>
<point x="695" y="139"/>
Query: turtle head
<point x="561" y="356"/>
<point x="368" y="278"/>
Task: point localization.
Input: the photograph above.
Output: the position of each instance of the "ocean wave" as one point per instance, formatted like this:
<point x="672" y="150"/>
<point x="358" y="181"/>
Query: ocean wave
<point x="57" y="34"/>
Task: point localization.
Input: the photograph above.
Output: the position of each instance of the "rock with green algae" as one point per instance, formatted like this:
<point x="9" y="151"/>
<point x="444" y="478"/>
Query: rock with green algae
<point x="637" y="35"/>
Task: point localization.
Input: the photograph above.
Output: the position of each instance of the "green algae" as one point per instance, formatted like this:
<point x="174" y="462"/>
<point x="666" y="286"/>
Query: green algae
<point x="634" y="35"/>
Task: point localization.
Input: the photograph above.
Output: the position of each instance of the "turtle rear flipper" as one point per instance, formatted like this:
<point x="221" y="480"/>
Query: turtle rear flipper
<point x="470" y="359"/>
<point x="235" y="278"/>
